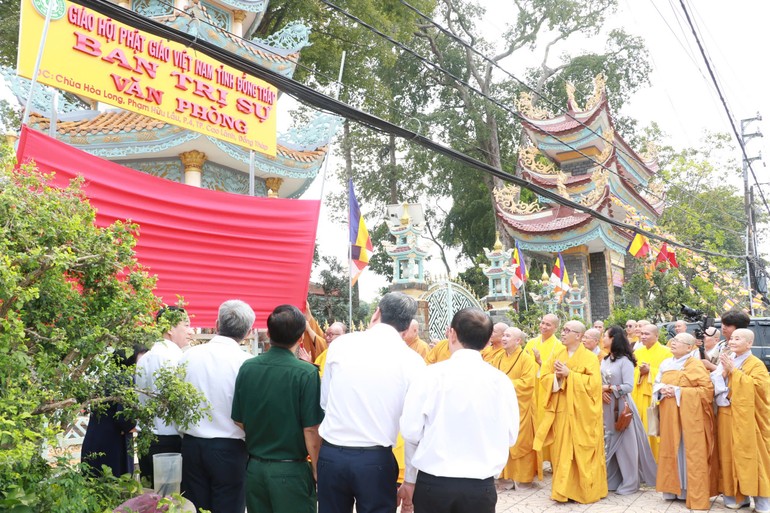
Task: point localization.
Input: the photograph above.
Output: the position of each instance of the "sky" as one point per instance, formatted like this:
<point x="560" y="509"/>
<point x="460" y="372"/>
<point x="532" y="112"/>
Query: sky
<point x="681" y="97"/>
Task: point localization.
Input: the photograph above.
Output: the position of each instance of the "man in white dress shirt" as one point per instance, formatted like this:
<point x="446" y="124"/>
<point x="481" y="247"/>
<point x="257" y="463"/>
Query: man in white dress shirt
<point x="165" y="353"/>
<point x="460" y="419"/>
<point x="365" y="380"/>
<point x="214" y="453"/>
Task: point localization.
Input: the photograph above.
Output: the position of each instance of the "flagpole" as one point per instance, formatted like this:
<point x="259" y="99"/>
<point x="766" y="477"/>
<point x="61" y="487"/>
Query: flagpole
<point x="38" y="59"/>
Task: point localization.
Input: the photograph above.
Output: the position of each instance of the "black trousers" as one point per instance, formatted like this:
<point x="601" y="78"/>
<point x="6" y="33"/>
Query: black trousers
<point x="364" y="476"/>
<point x="434" y="494"/>
<point x="164" y="443"/>
<point x="214" y="473"/>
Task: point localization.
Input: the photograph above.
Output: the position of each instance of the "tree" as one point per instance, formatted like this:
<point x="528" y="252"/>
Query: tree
<point x="71" y="295"/>
<point x="332" y="306"/>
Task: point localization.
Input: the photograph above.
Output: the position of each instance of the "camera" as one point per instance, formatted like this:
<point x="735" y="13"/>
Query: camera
<point x="693" y="315"/>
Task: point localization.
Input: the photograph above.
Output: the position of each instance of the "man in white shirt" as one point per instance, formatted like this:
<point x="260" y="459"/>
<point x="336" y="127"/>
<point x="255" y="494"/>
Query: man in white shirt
<point x="460" y="419"/>
<point x="165" y="353"/>
<point x="214" y="453"/>
<point x="363" y="387"/>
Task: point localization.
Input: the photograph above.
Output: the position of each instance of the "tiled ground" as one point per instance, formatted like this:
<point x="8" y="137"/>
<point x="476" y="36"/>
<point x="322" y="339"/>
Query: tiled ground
<point x="537" y="499"/>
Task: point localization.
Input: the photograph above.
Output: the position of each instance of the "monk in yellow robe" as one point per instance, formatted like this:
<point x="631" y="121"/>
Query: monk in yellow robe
<point x="572" y="422"/>
<point x="648" y="360"/>
<point x="332" y="332"/>
<point x="413" y="340"/>
<point x="440" y="351"/>
<point x="521" y="368"/>
<point x="742" y="392"/>
<point x="495" y="346"/>
<point x="687" y="442"/>
<point x="542" y="348"/>
<point x="313" y="340"/>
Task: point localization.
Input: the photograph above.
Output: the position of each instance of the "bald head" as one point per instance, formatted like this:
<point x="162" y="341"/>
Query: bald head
<point x="548" y="326"/>
<point x="497" y="334"/>
<point x="648" y="335"/>
<point x="572" y="334"/>
<point x="591" y="338"/>
<point x="741" y="341"/>
<point x="412" y="332"/>
<point x="512" y="338"/>
<point x="334" y="331"/>
<point x="680" y="326"/>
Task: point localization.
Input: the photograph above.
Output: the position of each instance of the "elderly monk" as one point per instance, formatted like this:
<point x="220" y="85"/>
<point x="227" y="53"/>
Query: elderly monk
<point x="680" y="327"/>
<point x="687" y="458"/>
<point x="495" y="347"/>
<point x="332" y="332"/>
<point x="440" y="351"/>
<point x="572" y="421"/>
<point x="648" y="359"/>
<point x="742" y="392"/>
<point x="591" y="339"/>
<point x="521" y="368"/>
<point x="542" y="348"/>
<point x="413" y="340"/>
<point x="631" y="331"/>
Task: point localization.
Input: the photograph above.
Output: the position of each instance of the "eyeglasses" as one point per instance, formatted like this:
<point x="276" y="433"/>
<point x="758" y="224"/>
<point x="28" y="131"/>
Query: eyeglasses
<point x="567" y="330"/>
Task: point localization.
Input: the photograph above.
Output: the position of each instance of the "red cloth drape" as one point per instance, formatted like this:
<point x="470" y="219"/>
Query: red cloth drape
<point x="204" y="245"/>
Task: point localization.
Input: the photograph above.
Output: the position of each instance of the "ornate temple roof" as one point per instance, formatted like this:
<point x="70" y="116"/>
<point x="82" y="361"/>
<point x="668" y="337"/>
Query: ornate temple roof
<point x="578" y="155"/>
<point x="119" y="135"/>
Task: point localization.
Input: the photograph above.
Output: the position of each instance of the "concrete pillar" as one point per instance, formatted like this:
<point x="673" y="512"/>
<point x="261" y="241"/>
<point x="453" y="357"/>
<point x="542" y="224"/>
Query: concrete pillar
<point x="238" y="19"/>
<point x="193" y="166"/>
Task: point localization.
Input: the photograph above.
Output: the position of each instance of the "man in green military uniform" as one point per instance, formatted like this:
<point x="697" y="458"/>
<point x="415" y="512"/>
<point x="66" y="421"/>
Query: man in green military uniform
<point x="277" y="403"/>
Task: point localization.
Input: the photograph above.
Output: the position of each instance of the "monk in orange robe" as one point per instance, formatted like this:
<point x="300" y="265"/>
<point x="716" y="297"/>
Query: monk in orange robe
<point x="440" y="351"/>
<point x="313" y="340"/>
<point x="742" y="392"/>
<point x="495" y="346"/>
<point x="687" y="443"/>
<point x="413" y="340"/>
<point x="572" y="421"/>
<point x="521" y="368"/>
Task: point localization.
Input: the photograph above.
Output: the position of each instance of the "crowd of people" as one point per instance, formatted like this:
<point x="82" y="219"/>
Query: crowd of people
<point x="379" y="419"/>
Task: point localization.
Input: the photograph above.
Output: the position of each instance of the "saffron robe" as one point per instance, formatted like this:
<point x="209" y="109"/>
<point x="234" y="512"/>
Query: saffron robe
<point x="420" y="347"/>
<point x="439" y="353"/>
<point x="642" y="392"/>
<point x="316" y="344"/>
<point x="321" y="362"/>
<point x="744" y="433"/>
<point x="521" y="369"/>
<point x="572" y="427"/>
<point x="691" y="423"/>
<point x="490" y="354"/>
<point x="547" y="349"/>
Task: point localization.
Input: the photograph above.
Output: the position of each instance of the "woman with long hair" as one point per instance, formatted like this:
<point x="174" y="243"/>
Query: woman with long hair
<point x="627" y="450"/>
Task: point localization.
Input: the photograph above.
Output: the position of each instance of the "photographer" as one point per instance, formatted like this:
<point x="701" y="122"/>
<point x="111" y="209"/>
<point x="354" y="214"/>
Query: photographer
<point x="712" y="348"/>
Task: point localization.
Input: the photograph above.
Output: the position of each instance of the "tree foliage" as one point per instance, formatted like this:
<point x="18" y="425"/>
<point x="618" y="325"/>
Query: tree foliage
<point x="332" y="306"/>
<point x="71" y="296"/>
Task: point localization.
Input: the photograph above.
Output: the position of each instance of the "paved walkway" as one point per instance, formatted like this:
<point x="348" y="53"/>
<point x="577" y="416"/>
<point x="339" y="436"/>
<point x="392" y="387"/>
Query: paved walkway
<point x="537" y="498"/>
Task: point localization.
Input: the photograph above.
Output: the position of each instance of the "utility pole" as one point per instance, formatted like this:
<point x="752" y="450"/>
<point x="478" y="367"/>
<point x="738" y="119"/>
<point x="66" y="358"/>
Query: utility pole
<point x="751" y="224"/>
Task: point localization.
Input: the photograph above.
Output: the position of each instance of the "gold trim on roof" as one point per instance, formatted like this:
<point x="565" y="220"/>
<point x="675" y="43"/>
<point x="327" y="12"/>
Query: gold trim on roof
<point x="600" y="83"/>
<point x="529" y="157"/>
<point x="600" y="178"/>
<point x="508" y="199"/>
<point x="526" y="106"/>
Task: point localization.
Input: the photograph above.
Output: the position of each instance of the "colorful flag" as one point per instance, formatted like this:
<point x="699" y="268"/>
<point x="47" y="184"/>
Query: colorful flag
<point x="559" y="277"/>
<point x="640" y="246"/>
<point x="665" y="255"/>
<point x="520" y="273"/>
<point x="729" y="304"/>
<point x="756" y="303"/>
<point x="360" y="242"/>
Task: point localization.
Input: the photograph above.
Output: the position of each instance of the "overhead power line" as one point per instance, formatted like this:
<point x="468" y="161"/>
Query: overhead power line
<point x="325" y="102"/>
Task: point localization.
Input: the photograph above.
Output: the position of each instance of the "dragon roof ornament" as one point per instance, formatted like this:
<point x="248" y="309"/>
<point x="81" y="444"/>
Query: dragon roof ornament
<point x="293" y="37"/>
<point x="600" y="84"/>
<point x="534" y="160"/>
<point x="507" y="198"/>
<point x="526" y="106"/>
<point x="561" y="179"/>
<point x="316" y="134"/>
<point x="651" y="152"/>
<point x="600" y="177"/>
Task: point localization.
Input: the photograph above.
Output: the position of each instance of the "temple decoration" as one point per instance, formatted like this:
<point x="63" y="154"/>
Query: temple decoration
<point x="407" y="253"/>
<point x="273" y="186"/>
<point x="193" y="161"/>
<point x="578" y="155"/>
<point x="526" y="107"/>
<point x="548" y="300"/>
<point x="499" y="273"/>
<point x="575" y="300"/>
<point x="154" y="147"/>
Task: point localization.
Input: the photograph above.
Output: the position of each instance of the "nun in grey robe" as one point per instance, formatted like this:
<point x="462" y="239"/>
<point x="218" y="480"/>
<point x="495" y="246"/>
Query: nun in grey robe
<point x="628" y="455"/>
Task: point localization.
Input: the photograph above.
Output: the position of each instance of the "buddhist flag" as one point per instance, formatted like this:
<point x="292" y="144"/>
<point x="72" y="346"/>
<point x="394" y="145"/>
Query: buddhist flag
<point x="640" y="246"/>
<point x="665" y="255"/>
<point x="520" y="273"/>
<point x="360" y="242"/>
<point x="559" y="277"/>
<point x="729" y="304"/>
<point x="756" y="303"/>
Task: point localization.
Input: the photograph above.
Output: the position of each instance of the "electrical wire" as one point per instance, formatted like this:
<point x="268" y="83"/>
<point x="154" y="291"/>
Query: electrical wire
<point x="516" y="113"/>
<point x="724" y="104"/>
<point x="322" y="101"/>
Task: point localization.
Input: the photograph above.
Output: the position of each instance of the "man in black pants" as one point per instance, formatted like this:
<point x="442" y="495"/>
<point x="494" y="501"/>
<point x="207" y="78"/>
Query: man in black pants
<point x="460" y="419"/>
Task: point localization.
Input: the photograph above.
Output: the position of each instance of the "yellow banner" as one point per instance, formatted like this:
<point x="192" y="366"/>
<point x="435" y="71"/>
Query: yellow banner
<point x="91" y="55"/>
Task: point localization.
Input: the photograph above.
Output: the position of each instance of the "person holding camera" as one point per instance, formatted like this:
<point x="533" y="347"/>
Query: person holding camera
<point x="628" y="455"/>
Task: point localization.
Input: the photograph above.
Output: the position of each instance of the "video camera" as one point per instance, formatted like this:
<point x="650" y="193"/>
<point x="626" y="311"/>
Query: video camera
<point x="693" y="315"/>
